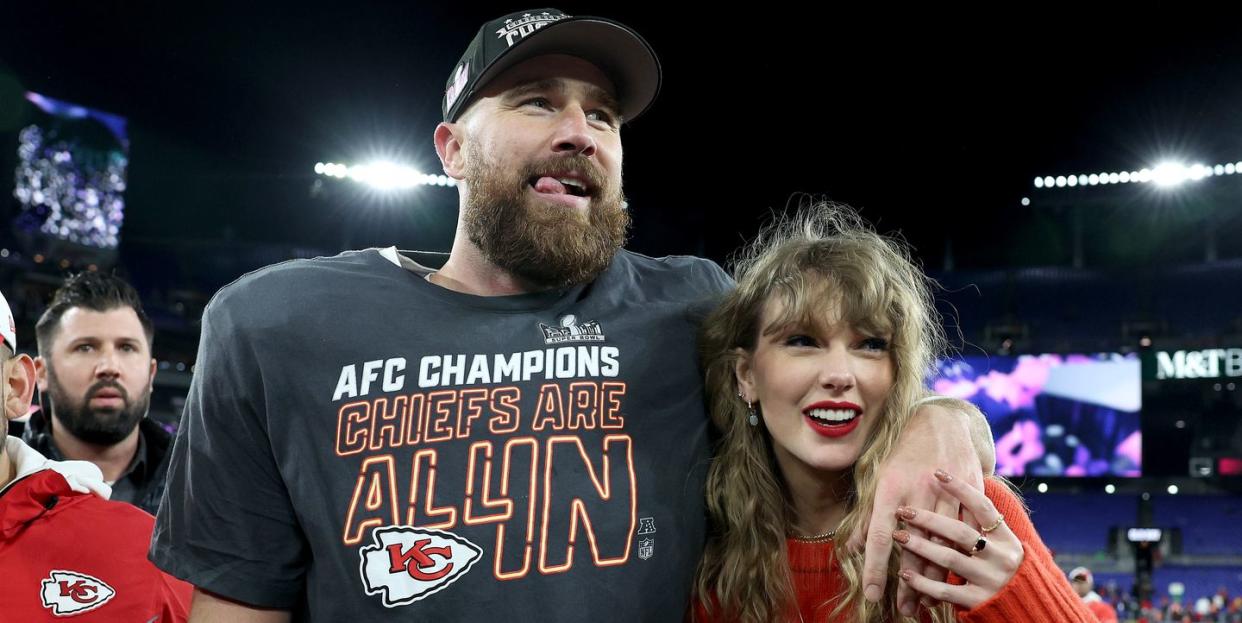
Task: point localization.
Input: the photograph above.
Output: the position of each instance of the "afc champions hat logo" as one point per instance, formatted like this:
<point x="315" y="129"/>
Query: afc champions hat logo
<point x="515" y="30"/>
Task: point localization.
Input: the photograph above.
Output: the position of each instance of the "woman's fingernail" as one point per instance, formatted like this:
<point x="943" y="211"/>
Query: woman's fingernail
<point x="905" y="575"/>
<point x="907" y="513"/>
<point x="943" y="476"/>
<point x="901" y="536"/>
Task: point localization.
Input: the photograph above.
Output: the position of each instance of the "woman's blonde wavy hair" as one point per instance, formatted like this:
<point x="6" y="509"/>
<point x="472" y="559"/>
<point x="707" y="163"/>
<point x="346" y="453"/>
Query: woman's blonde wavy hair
<point x="824" y="259"/>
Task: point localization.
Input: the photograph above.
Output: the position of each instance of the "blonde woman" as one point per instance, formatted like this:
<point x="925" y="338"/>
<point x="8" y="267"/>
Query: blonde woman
<point x="814" y="364"/>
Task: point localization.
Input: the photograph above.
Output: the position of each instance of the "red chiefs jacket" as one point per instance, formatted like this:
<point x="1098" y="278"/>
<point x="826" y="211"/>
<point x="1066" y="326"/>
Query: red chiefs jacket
<point x="68" y="554"/>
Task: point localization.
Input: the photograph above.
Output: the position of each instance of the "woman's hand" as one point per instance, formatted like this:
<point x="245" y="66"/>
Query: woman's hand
<point x="986" y="558"/>
<point x="956" y="437"/>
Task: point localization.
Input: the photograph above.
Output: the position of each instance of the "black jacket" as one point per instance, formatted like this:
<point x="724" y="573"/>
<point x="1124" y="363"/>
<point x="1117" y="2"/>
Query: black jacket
<point x="148" y="479"/>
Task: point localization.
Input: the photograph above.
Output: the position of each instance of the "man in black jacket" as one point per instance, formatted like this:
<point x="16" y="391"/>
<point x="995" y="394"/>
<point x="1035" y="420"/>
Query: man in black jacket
<point x="95" y="373"/>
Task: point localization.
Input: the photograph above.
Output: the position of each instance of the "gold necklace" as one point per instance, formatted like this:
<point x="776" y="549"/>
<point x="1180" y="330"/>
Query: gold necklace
<point x="815" y="538"/>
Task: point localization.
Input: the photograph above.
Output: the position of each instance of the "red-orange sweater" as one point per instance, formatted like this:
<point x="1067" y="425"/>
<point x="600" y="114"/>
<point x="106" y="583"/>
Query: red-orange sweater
<point x="1037" y="593"/>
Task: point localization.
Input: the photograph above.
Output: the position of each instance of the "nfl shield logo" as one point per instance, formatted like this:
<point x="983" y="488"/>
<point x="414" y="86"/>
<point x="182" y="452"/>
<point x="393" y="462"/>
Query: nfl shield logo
<point x="646" y="548"/>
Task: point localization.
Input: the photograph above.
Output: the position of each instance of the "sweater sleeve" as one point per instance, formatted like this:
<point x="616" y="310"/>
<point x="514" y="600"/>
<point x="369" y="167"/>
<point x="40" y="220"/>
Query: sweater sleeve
<point x="1038" y="592"/>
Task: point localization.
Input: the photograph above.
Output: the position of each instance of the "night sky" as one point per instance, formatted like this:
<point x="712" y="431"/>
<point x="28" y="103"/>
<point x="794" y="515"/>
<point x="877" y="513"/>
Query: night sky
<point x="934" y="121"/>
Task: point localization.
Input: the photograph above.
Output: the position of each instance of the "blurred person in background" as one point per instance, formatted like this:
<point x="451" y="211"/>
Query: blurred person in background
<point x="1084" y="584"/>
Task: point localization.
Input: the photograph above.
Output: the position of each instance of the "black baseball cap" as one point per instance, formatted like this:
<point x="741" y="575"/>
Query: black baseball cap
<point x="622" y="54"/>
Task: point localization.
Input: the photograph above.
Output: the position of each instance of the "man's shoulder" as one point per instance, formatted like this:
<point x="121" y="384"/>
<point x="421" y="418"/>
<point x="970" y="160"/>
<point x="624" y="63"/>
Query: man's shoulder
<point x="295" y="286"/>
<point x="115" y="527"/>
<point x="115" y="517"/>
<point x="153" y="431"/>
<point x="667" y="263"/>
<point x="295" y="272"/>
<point x="701" y="276"/>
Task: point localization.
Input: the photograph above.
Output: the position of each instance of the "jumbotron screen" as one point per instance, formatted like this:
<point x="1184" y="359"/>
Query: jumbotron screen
<point x="1054" y="414"/>
<point x="71" y="174"/>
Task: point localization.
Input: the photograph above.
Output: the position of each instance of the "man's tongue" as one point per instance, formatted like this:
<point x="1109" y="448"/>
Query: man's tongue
<point x="550" y="185"/>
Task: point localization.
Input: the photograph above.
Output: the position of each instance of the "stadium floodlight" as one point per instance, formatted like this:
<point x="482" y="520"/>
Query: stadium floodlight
<point x="1167" y="174"/>
<point x="383" y="175"/>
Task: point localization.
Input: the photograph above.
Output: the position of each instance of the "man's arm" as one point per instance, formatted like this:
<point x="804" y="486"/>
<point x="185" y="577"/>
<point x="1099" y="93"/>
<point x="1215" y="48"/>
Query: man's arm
<point x="227" y="523"/>
<point x="980" y="431"/>
<point x="945" y="433"/>
<point x="208" y="608"/>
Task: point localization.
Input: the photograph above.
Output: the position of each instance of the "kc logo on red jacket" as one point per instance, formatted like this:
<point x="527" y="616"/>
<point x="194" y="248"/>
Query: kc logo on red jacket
<point x="67" y="593"/>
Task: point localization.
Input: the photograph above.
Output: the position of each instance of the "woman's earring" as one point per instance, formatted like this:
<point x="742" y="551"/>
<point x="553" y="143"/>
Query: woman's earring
<point x="753" y="420"/>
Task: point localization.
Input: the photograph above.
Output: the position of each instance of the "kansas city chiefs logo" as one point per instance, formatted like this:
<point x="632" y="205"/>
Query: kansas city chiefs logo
<point x="68" y="592"/>
<point x="407" y="564"/>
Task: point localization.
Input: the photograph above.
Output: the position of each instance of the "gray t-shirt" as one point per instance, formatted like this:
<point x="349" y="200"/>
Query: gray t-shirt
<point x="359" y="444"/>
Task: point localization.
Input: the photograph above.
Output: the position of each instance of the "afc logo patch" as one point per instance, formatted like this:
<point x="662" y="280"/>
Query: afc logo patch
<point x="66" y="593"/>
<point x="646" y="525"/>
<point x="406" y="564"/>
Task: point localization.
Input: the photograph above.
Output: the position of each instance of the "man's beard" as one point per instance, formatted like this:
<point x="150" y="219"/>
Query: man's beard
<point x="545" y="246"/>
<point x="101" y="427"/>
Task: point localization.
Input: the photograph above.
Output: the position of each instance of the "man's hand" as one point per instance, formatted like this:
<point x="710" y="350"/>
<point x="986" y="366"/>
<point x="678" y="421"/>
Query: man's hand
<point x="946" y="434"/>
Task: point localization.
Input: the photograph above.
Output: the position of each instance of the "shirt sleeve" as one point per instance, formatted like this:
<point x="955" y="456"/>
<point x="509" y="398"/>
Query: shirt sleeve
<point x="226" y="523"/>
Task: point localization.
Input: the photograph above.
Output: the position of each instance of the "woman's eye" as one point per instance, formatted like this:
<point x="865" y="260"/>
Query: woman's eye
<point x="800" y="340"/>
<point x="874" y="343"/>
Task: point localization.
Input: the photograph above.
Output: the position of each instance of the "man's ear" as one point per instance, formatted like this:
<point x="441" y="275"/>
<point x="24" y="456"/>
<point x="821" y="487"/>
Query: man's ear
<point x="449" y="147"/>
<point x="19" y="381"/>
<point x="40" y="368"/>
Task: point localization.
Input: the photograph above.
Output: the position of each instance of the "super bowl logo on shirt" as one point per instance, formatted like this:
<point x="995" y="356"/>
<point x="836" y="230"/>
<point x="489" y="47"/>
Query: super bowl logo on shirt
<point x="67" y="593"/>
<point x="406" y="564"/>
<point x="571" y="331"/>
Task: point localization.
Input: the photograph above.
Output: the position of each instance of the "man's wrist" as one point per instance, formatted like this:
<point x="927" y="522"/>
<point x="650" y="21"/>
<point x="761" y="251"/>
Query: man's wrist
<point x="965" y="414"/>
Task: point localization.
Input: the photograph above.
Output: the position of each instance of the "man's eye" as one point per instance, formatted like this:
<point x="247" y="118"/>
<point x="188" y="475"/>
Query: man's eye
<point x="538" y="102"/>
<point x="602" y="116"/>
